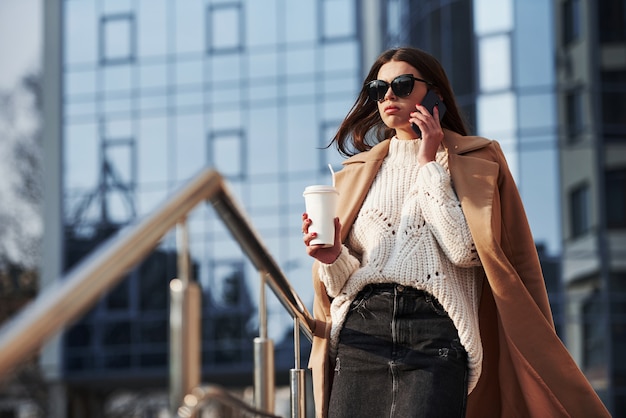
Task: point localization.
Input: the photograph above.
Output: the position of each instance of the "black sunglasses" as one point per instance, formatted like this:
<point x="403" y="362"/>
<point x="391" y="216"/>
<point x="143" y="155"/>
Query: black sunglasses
<point x="402" y="86"/>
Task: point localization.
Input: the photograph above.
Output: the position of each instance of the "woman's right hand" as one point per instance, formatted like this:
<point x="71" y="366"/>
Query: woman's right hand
<point x="326" y="255"/>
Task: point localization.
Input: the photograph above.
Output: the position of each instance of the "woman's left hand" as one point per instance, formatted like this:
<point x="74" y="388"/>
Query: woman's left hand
<point x="432" y="134"/>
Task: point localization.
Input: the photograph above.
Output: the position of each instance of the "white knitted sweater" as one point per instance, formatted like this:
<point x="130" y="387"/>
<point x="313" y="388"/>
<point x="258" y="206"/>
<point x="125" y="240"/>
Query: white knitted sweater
<point x="411" y="231"/>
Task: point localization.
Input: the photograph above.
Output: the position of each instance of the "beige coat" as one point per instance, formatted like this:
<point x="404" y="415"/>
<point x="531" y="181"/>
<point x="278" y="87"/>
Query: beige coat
<point x="527" y="371"/>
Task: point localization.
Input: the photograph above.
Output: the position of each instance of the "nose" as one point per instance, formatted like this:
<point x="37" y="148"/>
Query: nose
<point x="389" y="93"/>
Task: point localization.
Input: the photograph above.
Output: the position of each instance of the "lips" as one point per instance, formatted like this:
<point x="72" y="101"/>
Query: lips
<point x="390" y="110"/>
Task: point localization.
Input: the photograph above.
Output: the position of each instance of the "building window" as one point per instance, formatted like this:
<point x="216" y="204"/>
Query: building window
<point x="594" y="333"/>
<point x="337" y="20"/>
<point x="119" y="298"/>
<point x="571" y="21"/>
<point x="575" y="117"/>
<point x="494" y="59"/>
<point x="612" y="20"/>
<point x="230" y="306"/>
<point x="580" y="211"/>
<point x="227" y="153"/>
<point x="224" y="29"/>
<point x="117" y="39"/>
<point x="484" y="12"/>
<point x="615" y="191"/>
<point x="228" y="288"/>
<point x="118" y="179"/>
<point x="614" y="105"/>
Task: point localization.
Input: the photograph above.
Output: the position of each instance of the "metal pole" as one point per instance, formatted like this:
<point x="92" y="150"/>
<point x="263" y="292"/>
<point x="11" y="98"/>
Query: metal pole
<point x="297" y="383"/>
<point x="263" y="359"/>
<point x="176" y="368"/>
<point x="185" y="317"/>
<point x="262" y="306"/>
<point x="182" y="250"/>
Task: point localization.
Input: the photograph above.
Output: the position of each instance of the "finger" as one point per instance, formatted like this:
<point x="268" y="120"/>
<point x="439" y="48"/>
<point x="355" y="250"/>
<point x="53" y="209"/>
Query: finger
<point x="421" y="124"/>
<point x="416" y="118"/>
<point x="337" y="230"/>
<point x="305" y="225"/>
<point x="427" y="120"/>
<point x="307" y="238"/>
<point x="423" y="110"/>
<point x="421" y="116"/>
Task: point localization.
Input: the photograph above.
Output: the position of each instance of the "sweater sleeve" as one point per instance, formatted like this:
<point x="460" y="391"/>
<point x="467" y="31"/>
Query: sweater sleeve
<point x="335" y="275"/>
<point x="444" y="215"/>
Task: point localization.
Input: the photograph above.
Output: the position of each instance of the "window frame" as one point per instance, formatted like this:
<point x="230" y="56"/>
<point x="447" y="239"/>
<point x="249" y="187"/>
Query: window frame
<point x="239" y="136"/>
<point x="211" y="10"/>
<point x="574" y="114"/>
<point x="615" y="192"/>
<point x="580" y="210"/>
<point x="571" y="30"/>
<point x="132" y="41"/>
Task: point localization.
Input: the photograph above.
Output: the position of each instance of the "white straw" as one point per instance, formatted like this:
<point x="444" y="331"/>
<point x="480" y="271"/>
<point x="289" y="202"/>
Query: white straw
<point x="332" y="172"/>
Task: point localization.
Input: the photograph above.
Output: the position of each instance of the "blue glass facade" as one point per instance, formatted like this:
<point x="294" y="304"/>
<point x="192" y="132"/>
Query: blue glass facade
<point x="517" y="103"/>
<point x="499" y="57"/>
<point x="153" y="92"/>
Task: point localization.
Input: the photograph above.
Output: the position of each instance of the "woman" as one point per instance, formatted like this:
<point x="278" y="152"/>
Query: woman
<point x="433" y="289"/>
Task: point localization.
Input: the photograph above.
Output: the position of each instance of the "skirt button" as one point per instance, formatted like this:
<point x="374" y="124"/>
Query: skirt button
<point x="400" y="288"/>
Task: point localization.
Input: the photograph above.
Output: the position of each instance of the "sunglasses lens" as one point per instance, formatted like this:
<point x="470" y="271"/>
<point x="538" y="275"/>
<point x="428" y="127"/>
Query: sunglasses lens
<point x="377" y="89"/>
<point x="402" y="86"/>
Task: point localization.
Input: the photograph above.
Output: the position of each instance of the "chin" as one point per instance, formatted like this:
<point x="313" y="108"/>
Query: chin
<point x="393" y="124"/>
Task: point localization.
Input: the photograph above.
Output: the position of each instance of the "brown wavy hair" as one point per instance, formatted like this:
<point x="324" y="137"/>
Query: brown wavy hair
<point x="363" y="127"/>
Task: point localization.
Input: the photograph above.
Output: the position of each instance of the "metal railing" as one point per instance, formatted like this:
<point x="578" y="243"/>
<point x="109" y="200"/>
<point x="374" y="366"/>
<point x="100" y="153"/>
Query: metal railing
<point x="65" y="301"/>
<point x="201" y="395"/>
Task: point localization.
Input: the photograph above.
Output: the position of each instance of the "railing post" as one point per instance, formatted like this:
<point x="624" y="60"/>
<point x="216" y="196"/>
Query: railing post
<point x="185" y="316"/>
<point x="264" y="395"/>
<point x="297" y="382"/>
<point x="177" y="370"/>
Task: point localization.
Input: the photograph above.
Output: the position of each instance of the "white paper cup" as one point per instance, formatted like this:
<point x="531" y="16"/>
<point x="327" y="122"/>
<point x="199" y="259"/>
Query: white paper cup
<point x="321" y="206"/>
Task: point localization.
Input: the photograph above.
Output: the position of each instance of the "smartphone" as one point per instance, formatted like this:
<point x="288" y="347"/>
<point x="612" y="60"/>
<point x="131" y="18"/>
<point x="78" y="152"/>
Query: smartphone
<point x="429" y="102"/>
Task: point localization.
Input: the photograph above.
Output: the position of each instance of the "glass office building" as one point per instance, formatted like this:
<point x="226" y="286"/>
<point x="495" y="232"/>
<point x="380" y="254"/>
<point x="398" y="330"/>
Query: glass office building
<point x="499" y="56"/>
<point x="516" y="102"/>
<point x="591" y="70"/>
<point x="153" y="91"/>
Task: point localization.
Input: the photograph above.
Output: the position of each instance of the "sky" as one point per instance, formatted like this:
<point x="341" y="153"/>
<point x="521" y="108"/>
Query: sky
<point x="20" y="40"/>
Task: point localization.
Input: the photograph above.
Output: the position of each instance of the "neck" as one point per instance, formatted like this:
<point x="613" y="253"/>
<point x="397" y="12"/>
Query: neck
<point x="404" y="134"/>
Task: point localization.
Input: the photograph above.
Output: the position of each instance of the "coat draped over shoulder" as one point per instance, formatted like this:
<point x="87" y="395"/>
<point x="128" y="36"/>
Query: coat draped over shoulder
<point x="527" y="371"/>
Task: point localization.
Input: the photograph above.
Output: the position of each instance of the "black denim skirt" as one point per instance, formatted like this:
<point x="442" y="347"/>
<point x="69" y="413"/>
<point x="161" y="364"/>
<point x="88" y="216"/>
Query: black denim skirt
<point x="399" y="355"/>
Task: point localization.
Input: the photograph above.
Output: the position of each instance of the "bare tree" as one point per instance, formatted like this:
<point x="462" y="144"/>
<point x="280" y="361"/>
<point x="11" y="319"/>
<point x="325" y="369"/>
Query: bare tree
<point x="21" y="225"/>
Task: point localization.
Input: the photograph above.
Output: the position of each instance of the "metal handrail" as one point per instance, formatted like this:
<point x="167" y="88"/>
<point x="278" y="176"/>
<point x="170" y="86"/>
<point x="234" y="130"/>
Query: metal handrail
<point x="69" y="297"/>
<point x="201" y="395"/>
<point x="234" y="219"/>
